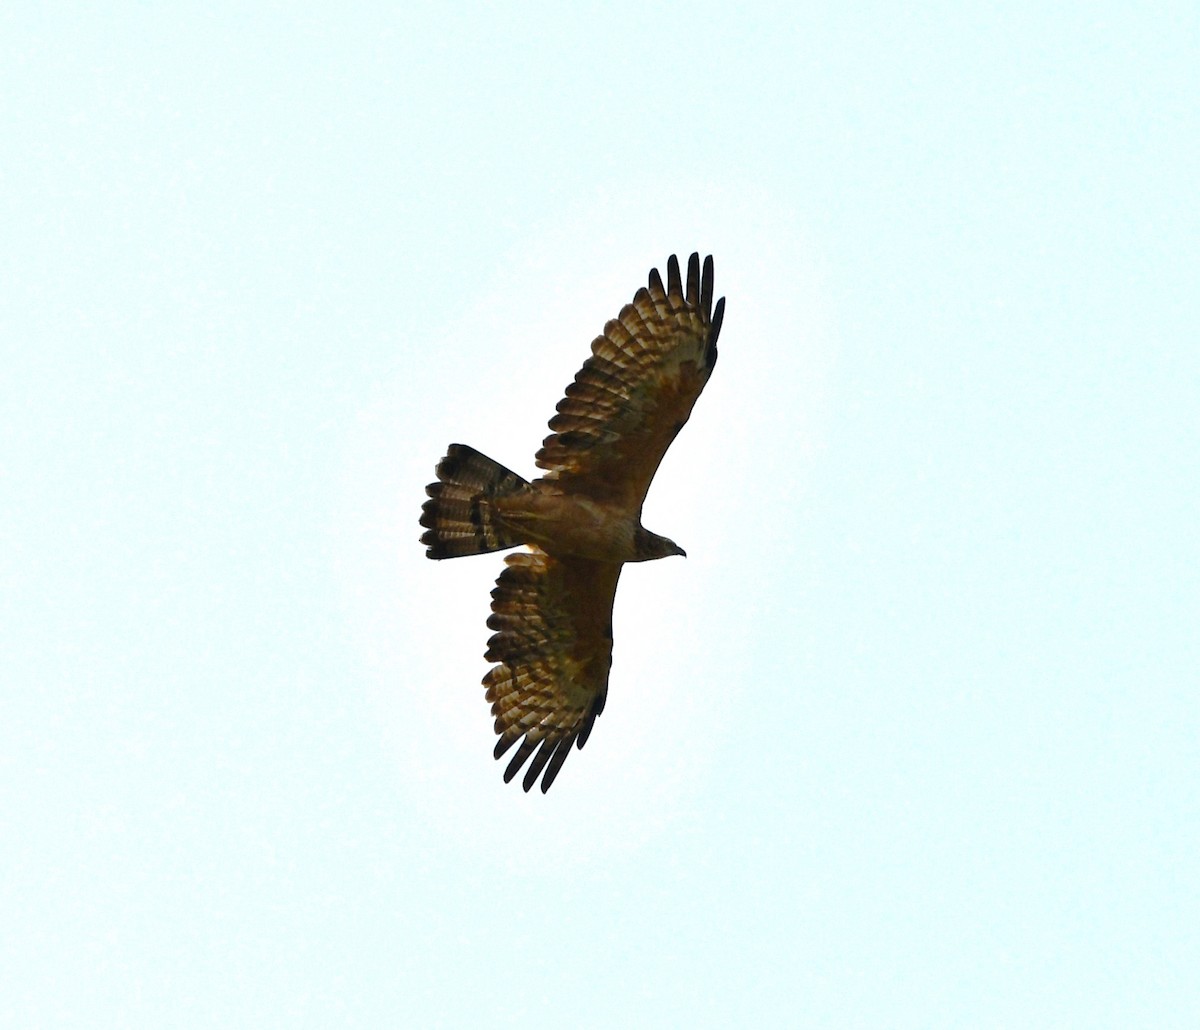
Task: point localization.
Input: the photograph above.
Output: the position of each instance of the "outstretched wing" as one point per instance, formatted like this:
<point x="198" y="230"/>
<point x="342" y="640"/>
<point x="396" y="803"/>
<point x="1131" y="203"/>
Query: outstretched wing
<point x="636" y="391"/>
<point x="554" y="644"/>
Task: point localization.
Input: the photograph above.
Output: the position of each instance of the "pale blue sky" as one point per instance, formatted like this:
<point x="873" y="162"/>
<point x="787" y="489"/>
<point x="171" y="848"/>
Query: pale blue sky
<point x="911" y="739"/>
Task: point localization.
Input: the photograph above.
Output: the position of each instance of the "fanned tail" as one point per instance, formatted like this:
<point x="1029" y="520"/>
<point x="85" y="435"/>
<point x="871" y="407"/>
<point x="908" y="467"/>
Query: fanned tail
<point x="459" y="515"/>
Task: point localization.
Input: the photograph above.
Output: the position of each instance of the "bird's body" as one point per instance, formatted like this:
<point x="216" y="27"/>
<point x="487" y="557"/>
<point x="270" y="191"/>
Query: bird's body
<point x="552" y="605"/>
<point x="567" y="526"/>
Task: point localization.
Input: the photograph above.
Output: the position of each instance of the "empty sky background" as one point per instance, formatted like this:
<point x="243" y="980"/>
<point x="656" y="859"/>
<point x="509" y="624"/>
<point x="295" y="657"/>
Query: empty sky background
<point x="911" y="738"/>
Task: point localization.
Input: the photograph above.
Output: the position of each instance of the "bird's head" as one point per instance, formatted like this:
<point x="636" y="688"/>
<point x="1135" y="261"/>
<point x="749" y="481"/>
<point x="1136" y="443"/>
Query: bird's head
<point x="649" y="546"/>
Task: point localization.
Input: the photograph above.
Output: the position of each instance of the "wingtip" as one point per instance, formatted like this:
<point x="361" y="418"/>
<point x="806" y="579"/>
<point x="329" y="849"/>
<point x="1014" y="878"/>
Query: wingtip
<point x="714" y="331"/>
<point x="674" y="280"/>
<point x="693" y="279"/>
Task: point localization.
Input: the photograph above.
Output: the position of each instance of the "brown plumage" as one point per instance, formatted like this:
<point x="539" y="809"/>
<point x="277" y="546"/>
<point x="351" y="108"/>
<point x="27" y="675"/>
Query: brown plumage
<point x="552" y="605"/>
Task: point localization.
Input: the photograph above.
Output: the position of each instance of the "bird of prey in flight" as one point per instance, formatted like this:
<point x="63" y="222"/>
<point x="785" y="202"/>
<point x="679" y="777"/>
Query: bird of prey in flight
<point x="581" y="521"/>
